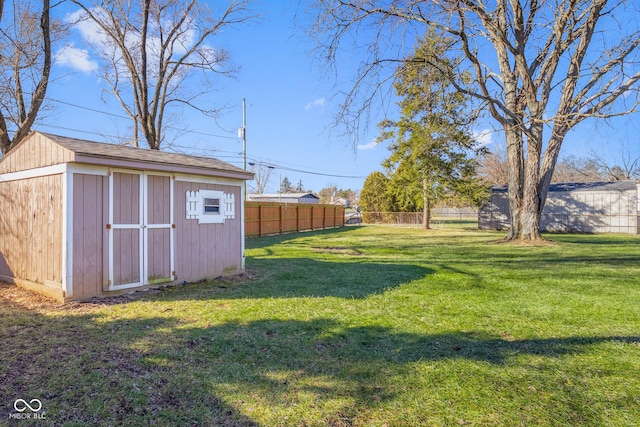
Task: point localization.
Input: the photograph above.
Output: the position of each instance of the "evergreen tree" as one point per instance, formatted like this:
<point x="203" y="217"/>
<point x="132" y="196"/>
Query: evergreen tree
<point x="374" y="197"/>
<point x="285" y="186"/>
<point x="431" y="140"/>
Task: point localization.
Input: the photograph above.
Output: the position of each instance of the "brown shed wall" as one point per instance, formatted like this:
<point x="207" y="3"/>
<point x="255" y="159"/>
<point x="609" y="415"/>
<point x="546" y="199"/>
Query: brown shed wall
<point x="90" y="256"/>
<point x="31" y="230"/>
<point x="34" y="152"/>
<point x="206" y="250"/>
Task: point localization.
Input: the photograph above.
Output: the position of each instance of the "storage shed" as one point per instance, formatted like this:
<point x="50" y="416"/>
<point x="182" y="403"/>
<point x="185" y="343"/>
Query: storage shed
<point x="583" y="207"/>
<point x="80" y="219"/>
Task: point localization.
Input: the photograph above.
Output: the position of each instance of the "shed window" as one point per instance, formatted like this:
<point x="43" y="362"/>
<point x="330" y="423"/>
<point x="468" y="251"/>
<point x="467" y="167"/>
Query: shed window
<point x="211" y="206"/>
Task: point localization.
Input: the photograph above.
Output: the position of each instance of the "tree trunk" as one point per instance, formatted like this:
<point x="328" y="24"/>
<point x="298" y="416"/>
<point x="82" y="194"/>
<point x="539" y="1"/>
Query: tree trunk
<point x="426" y="208"/>
<point x="516" y="179"/>
<point x="531" y="201"/>
<point x="426" y="217"/>
<point x="27" y="118"/>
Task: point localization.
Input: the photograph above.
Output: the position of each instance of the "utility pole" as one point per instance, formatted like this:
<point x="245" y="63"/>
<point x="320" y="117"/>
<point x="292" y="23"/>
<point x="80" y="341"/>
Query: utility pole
<point x="242" y="133"/>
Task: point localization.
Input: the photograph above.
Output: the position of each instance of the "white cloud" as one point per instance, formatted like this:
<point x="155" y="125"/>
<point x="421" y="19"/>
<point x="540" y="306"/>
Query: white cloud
<point x="88" y="29"/>
<point x="484" y="137"/>
<point x="75" y="58"/>
<point x="105" y="49"/>
<point x="370" y="146"/>
<point x="320" y="102"/>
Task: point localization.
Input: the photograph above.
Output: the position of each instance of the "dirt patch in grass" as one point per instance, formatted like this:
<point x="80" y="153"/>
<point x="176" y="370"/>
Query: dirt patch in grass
<point x="15" y="297"/>
<point x="337" y="250"/>
<point x="526" y="243"/>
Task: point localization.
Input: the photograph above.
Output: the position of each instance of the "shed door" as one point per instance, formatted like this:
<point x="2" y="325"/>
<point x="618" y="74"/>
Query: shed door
<point x="158" y="230"/>
<point x="141" y="240"/>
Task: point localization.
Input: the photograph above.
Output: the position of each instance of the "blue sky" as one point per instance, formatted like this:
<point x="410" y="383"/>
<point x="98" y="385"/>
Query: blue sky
<point x="290" y="108"/>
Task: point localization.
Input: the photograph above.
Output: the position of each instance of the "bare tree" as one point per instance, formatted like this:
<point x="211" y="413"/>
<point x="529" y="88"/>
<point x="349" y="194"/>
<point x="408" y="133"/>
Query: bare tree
<point x="25" y="66"/>
<point x="538" y="68"/>
<point x="492" y="166"/>
<point x="151" y="48"/>
<point x="578" y="169"/>
<point x="262" y="175"/>
<point x="628" y="169"/>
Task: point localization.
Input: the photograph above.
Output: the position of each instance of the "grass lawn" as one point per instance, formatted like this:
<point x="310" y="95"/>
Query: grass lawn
<point x="363" y="326"/>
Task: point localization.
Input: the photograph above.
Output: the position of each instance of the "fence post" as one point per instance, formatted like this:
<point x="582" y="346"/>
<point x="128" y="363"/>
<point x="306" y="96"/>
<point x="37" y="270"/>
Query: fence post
<point x="281" y="218"/>
<point x="324" y="216"/>
<point x="260" y="220"/>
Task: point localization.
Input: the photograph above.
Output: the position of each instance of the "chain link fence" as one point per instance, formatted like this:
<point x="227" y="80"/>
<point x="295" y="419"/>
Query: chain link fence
<point x="440" y="218"/>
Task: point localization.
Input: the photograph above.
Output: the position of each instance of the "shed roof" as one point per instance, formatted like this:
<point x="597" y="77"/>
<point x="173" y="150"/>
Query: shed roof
<point x="583" y="186"/>
<point x="287" y="195"/>
<point x="91" y="152"/>
<point x="125" y="152"/>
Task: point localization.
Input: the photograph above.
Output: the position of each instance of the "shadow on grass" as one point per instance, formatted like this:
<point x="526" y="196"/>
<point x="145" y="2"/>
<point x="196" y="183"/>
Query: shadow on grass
<point x="262" y="241"/>
<point x="305" y="277"/>
<point x="594" y="239"/>
<point x="89" y="369"/>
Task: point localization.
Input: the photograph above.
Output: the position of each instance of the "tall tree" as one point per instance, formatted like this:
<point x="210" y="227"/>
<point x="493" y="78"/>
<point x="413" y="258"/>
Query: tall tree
<point x="493" y="166"/>
<point x="431" y="140"/>
<point x="328" y="193"/>
<point x="25" y="67"/>
<point x="261" y="176"/>
<point x="151" y="48"/>
<point x="629" y="168"/>
<point x="285" y="186"/>
<point x="578" y="169"/>
<point x="374" y="197"/>
<point x="539" y="69"/>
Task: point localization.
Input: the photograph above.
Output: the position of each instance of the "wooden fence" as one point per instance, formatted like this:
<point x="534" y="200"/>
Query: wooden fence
<point x="263" y="218"/>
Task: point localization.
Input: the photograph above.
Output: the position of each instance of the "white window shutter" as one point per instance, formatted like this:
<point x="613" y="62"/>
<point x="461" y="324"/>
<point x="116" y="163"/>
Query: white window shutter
<point x="193" y="202"/>
<point x="229" y="206"/>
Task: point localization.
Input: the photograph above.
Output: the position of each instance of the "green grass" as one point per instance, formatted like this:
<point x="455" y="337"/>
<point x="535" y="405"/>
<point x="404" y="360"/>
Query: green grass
<point x="363" y="326"/>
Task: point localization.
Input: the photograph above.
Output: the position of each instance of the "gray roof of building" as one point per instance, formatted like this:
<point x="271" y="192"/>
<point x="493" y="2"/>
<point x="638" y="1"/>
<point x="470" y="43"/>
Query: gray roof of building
<point x="583" y="186"/>
<point x="288" y="195"/>
<point x="124" y="152"/>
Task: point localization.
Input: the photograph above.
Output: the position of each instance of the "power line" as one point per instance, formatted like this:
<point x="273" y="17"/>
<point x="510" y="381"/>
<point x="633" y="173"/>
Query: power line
<point x="235" y="156"/>
<point x="276" y="166"/>
<point x="265" y="162"/>
<point x="119" y="116"/>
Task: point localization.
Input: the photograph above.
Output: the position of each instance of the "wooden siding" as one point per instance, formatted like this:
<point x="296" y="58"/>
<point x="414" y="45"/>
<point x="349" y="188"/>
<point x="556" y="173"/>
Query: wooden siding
<point x="158" y="239"/>
<point x="36" y="151"/>
<point x="158" y="194"/>
<point x="206" y="250"/>
<point x="263" y="218"/>
<point x="159" y="256"/>
<point x="31" y="230"/>
<point x="126" y="259"/>
<point x="126" y="198"/>
<point x="89" y="235"/>
<point x="126" y="241"/>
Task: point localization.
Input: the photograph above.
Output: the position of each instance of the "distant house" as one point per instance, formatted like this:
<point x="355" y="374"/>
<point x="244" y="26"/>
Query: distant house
<point x="341" y="201"/>
<point x="584" y="207"/>
<point x="308" y="198"/>
<point x="81" y="219"/>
